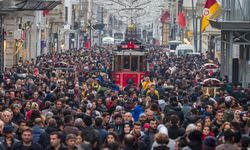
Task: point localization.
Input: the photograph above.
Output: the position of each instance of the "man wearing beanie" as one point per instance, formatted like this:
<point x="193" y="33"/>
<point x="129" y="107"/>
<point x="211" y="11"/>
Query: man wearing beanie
<point x="8" y="140"/>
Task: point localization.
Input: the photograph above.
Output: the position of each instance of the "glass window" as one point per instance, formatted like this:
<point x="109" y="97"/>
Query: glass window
<point x="126" y="62"/>
<point x="184" y="52"/>
<point x="134" y="63"/>
<point x="118" y="63"/>
<point x="142" y="64"/>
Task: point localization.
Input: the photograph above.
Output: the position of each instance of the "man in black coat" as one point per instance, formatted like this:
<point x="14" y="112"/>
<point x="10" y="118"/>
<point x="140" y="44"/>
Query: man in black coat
<point x="26" y="142"/>
<point x="7" y="141"/>
<point x="45" y="136"/>
<point x="55" y="142"/>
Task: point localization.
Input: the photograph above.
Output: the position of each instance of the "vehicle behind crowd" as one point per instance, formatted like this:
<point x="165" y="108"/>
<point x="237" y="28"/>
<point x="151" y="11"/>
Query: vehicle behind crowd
<point x="71" y="101"/>
<point x="129" y="63"/>
<point x="183" y="50"/>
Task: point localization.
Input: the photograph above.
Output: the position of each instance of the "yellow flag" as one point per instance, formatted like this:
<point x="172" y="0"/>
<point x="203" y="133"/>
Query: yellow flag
<point x="212" y="10"/>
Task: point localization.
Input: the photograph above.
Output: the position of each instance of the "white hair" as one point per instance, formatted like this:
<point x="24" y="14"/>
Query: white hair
<point x="162" y="129"/>
<point x="190" y="127"/>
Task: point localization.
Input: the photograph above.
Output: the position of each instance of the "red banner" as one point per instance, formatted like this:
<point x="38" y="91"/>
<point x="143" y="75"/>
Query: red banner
<point x="182" y="20"/>
<point x="165" y="17"/>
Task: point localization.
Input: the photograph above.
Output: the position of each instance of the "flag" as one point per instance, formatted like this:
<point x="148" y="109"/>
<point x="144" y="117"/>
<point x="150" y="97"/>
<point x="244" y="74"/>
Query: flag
<point x="182" y="20"/>
<point x="87" y="43"/>
<point x="45" y="13"/>
<point x="165" y="17"/>
<point x="211" y="10"/>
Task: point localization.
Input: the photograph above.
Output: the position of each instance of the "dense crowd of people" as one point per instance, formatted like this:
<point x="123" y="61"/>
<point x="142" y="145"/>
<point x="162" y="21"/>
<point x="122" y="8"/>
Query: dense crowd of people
<point x="69" y="101"/>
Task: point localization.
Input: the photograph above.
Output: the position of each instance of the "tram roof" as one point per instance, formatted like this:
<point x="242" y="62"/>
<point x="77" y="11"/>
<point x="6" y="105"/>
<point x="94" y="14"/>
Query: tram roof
<point x="130" y="52"/>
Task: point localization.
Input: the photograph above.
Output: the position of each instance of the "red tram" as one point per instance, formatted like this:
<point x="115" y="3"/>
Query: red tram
<point x="129" y="62"/>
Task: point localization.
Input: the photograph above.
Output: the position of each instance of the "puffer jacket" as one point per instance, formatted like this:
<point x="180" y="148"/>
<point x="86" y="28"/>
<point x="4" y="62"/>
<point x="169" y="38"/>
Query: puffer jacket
<point x="44" y="138"/>
<point x="36" y="133"/>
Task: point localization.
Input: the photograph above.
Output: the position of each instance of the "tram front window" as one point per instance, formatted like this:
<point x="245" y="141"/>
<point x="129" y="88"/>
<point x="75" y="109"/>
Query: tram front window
<point x="126" y="62"/>
<point x="134" y="63"/>
<point x="143" y="64"/>
<point x="117" y="64"/>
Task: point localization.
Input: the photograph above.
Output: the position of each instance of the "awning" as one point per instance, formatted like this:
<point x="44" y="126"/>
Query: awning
<point x="23" y="5"/>
<point x="231" y="25"/>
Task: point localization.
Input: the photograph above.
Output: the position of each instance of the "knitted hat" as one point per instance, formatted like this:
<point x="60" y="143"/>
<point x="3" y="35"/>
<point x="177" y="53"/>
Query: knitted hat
<point x="8" y="129"/>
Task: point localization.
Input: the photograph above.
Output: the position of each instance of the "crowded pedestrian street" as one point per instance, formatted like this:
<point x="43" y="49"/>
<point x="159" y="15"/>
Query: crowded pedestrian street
<point x="68" y="100"/>
<point x="124" y="75"/>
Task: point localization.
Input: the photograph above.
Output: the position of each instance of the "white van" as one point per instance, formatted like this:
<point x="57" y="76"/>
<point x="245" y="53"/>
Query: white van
<point x="108" y="41"/>
<point x="173" y="45"/>
<point x="183" y="50"/>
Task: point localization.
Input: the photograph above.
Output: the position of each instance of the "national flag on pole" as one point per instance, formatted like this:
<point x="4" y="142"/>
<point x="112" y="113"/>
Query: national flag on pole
<point x="165" y="16"/>
<point x="87" y="43"/>
<point x="45" y="13"/>
<point x="182" y="20"/>
<point x="212" y="10"/>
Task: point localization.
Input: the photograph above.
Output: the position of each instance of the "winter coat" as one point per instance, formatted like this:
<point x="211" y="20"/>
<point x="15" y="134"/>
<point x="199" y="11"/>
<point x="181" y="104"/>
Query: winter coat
<point x="60" y="148"/>
<point x="36" y="133"/>
<point x="45" y="136"/>
<point x="20" y="146"/>
<point x="137" y="111"/>
<point x="3" y="144"/>
<point x="70" y="130"/>
<point x="190" y="119"/>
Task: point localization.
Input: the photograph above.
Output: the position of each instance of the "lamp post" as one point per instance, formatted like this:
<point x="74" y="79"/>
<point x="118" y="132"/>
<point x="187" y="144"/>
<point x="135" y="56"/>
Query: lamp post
<point x="1" y="45"/>
<point x="90" y="33"/>
<point x="199" y="13"/>
<point x="194" y="28"/>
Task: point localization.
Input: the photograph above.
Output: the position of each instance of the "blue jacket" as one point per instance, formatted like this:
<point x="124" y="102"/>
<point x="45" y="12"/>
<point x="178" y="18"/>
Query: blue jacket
<point x="137" y="111"/>
<point x="36" y="133"/>
<point x="103" y="134"/>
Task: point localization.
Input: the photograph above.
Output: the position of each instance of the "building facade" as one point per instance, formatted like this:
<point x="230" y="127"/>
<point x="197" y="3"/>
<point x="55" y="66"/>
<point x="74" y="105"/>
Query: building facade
<point x="235" y="41"/>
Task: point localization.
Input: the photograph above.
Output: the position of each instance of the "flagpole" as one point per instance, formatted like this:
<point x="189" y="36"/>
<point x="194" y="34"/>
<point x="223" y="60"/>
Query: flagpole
<point x="200" y="35"/>
<point x="194" y="28"/>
